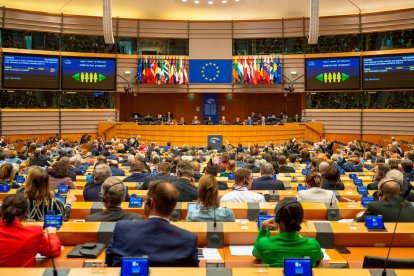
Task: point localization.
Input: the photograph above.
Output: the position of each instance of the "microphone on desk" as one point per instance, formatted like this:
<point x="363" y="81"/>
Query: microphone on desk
<point x="333" y="193"/>
<point x="55" y="272"/>
<point x="404" y="196"/>
<point x="214" y="218"/>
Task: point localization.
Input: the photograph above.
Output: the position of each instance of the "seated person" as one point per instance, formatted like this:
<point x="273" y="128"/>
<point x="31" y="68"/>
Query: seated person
<point x="352" y="165"/>
<point x="116" y="171"/>
<point x="113" y="193"/>
<point x="59" y="174"/>
<point x="223" y="121"/>
<point x="209" y="204"/>
<point x="314" y="193"/>
<point x="238" y="121"/>
<point x="213" y="170"/>
<point x="7" y="175"/>
<point x="165" y="244"/>
<point x="283" y="167"/>
<point x="380" y="171"/>
<point x="332" y="179"/>
<point x="266" y="181"/>
<point x="271" y="250"/>
<point x="230" y="168"/>
<point x="181" y="121"/>
<point x="20" y="244"/>
<point x="242" y="183"/>
<point x="163" y="173"/>
<point x="196" y="121"/>
<point x="389" y="204"/>
<point x="41" y="199"/>
<point x="208" y="121"/>
<point x="185" y="183"/>
<point x="139" y="172"/>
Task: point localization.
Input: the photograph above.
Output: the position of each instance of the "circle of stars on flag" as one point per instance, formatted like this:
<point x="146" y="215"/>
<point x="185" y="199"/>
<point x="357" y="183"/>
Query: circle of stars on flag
<point x="210" y="75"/>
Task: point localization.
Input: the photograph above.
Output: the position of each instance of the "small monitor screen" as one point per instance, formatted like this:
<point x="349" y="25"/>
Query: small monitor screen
<point x="53" y="221"/>
<point x="297" y="267"/>
<point x="260" y="220"/>
<point x="193" y="207"/>
<point x="31" y="72"/>
<point x="134" y="266"/>
<point x="4" y="188"/>
<point x="63" y="189"/>
<point x="61" y="198"/>
<point x="135" y="201"/>
<point x="363" y="190"/>
<point x="332" y="74"/>
<point x="88" y="73"/>
<point x="388" y="72"/>
<point x="374" y="222"/>
<point x="366" y="200"/>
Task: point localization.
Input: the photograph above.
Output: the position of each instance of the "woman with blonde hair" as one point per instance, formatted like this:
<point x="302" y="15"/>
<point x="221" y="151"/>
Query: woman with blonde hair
<point x="208" y="203"/>
<point x="41" y="199"/>
<point x="231" y="168"/>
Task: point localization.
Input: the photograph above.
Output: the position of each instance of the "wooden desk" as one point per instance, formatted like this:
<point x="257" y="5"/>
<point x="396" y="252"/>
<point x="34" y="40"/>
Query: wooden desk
<point x="356" y="258"/>
<point x="197" y="271"/>
<point x="313" y="210"/>
<point x="64" y="262"/>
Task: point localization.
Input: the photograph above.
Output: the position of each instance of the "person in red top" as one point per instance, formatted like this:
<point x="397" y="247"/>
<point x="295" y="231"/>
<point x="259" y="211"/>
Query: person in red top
<point x="19" y="243"/>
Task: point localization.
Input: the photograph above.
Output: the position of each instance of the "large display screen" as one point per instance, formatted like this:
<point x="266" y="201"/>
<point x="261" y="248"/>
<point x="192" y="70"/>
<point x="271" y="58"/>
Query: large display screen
<point x="31" y="72"/>
<point x="88" y="74"/>
<point x="385" y="72"/>
<point x="332" y="74"/>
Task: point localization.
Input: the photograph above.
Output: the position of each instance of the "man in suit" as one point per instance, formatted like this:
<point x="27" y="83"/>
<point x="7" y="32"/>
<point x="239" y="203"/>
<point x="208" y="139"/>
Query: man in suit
<point x="116" y="171"/>
<point x="237" y="122"/>
<point x="113" y="156"/>
<point x="266" y="181"/>
<point x="100" y="174"/>
<point x="352" y="165"/>
<point x="250" y="164"/>
<point x="380" y="170"/>
<point x="262" y="121"/>
<point x="249" y="121"/>
<point x="164" y="244"/>
<point x="196" y="168"/>
<point x="196" y="121"/>
<point x="283" y="167"/>
<point x="163" y="173"/>
<point x="389" y="204"/>
<point x="407" y="168"/>
<point x="185" y="182"/>
<point x="223" y="121"/>
<point x="113" y="193"/>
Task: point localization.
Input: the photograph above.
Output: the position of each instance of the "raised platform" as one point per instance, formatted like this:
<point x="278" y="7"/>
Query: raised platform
<point x="196" y="135"/>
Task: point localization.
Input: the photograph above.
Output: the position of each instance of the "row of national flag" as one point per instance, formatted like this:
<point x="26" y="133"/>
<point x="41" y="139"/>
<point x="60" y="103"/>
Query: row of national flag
<point x="162" y="70"/>
<point x="257" y="70"/>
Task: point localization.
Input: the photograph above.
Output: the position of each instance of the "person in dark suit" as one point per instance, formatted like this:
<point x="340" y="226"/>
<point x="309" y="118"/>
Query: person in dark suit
<point x="185" y="182"/>
<point x="283" y="168"/>
<point x="116" y="171"/>
<point x="163" y="170"/>
<point x="113" y="156"/>
<point x="164" y="244"/>
<point x="352" y="165"/>
<point x="389" y="204"/>
<point x="92" y="190"/>
<point x="266" y="181"/>
<point x="407" y="168"/>
<point x="250" y="164"/>
<point x="196" y="168"/>
<point x="139" y="173"/>
<point x="113" y="193"/>
<point x="208" y="121"/>
<point x="223" y="121"/>
<point x="380" y="171"/>
<point x="249" y="121"/>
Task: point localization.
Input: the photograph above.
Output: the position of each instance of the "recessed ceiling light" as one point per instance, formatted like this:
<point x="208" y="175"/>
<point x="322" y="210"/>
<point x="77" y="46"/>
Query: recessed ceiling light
<point x="210" y="2"/>
<point x="224" y="1"/>
<point x="196" y="2"/>
<point x="184" y="0"/>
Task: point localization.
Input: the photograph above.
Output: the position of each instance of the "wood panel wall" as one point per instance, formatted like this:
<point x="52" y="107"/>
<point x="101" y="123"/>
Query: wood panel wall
<point x="240" y="105"/>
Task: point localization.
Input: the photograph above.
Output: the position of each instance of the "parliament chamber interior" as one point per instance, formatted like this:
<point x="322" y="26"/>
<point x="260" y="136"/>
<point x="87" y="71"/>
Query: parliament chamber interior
<point x="206" y="137"/>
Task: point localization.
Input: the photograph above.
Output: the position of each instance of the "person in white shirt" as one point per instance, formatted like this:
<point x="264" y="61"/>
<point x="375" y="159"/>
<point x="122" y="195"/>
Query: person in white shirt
<point x="243" y="182"/>
<point x="314" y="193"/>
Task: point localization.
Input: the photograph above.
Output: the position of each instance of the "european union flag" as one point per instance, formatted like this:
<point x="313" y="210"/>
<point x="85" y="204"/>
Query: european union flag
<point x="212" y="71"/>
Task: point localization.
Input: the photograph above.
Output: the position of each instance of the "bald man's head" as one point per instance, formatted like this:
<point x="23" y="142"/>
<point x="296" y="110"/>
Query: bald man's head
<point x="390" y="187"/>
<point x="165" y="196"/>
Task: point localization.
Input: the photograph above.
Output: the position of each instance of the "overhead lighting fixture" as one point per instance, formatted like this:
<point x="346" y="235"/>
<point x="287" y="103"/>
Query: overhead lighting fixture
<point x="196" y="2"/>
<point x="210" y="2"/>
<point x="224" y="1"/>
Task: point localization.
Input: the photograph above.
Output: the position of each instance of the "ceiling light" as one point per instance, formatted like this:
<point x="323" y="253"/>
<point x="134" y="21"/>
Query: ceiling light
<point x="210" y="2"/>
<point x="224" y="1"/>
<point x="184" y="0"/>
<point x="196" y="2"/>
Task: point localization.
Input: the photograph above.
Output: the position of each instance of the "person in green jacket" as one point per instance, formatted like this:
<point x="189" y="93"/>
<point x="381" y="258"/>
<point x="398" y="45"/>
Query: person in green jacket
<point x="272" y="250"/>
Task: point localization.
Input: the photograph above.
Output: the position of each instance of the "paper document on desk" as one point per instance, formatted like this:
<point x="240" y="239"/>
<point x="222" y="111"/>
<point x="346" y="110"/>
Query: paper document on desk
<point x="346" y="221"/>
<point x="241" y="250"/>
<point x="325" y="255"/>
<point x="40" y="257"/>
<point x="210" y="254"/>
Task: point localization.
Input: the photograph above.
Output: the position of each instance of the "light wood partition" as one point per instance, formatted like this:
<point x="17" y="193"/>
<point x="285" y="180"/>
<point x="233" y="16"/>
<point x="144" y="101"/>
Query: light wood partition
<point x="375" y="125"/>
<point x="197" y="135"/>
